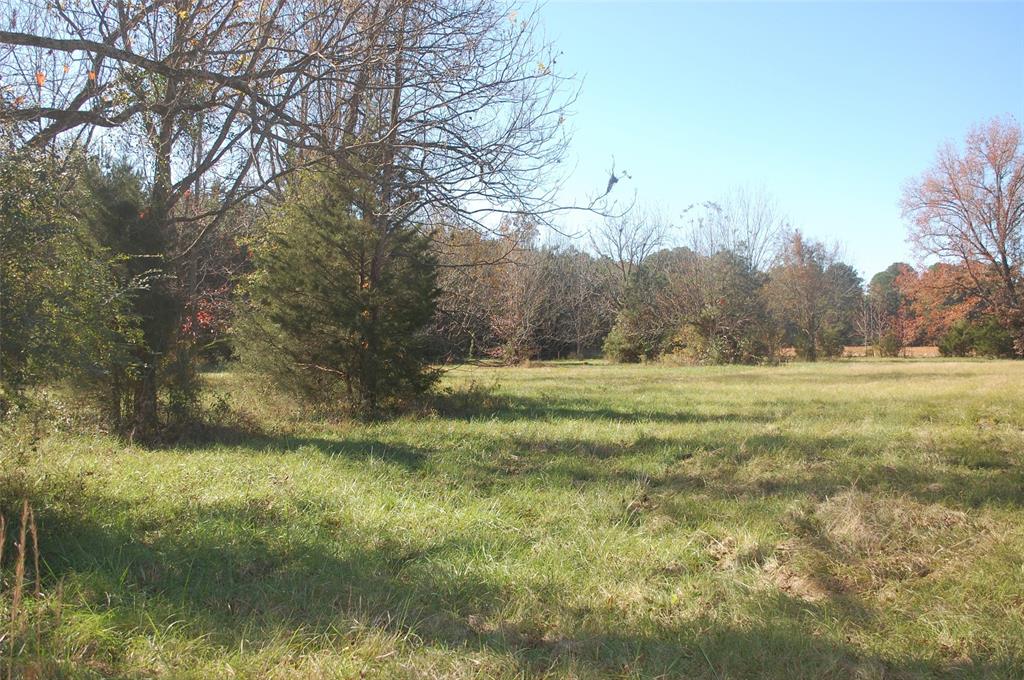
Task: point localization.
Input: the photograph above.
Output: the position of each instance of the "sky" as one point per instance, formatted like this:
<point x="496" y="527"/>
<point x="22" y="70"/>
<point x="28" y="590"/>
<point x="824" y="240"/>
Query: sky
<point x="829" y="107"/>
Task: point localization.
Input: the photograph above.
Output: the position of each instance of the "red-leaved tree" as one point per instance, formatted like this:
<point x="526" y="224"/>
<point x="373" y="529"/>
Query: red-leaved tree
<point x="968" y="210"/>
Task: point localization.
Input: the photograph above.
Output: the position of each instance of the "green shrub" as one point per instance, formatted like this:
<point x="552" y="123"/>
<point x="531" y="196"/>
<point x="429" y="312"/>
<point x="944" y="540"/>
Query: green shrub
<point x="830" y="342"/>
<point x="990" y="339"/>
<point x="341" y="306"/>
<point x="621" y="345"/>
<point x="62" y="311"/>
<point x="984" y="338"/>
<point x="957" y="340"/>
<point x="889" y="345"/>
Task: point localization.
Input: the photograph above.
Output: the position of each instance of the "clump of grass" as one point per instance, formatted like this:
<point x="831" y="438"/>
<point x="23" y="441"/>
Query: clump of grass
<point x="22" y="630"/>
<point x="862" y="541"/>
<point x="744" y="550"/>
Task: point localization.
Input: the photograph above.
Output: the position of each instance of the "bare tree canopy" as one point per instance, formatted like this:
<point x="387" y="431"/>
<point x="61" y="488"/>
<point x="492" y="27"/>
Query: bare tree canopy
<point x="457" y="99"/>
<point x="747" y="222"/>
<point x="629" y="239"/>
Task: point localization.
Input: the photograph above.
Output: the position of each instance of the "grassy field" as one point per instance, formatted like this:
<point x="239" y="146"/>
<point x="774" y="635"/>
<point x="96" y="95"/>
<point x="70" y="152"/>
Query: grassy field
<point x="854" y="519"/>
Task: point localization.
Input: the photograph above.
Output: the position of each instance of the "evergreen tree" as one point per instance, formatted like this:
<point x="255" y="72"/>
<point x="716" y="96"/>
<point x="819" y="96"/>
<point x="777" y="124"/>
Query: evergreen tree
<point x="341" y="300"/>
<point x="135" y="386"/>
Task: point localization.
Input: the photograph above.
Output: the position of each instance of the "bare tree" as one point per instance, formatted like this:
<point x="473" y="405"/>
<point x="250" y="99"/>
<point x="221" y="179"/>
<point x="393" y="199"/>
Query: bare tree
<point x="625" y="241"/>
<point x="747" y="222"/>
<point x="583" y="299"/>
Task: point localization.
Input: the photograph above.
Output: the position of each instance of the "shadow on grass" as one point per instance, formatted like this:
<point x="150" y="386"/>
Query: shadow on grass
<point x="247" y="575"/>
<point x="347" y="448"/>
<point x="715" y="465"/>
<point x="475" y="404"/>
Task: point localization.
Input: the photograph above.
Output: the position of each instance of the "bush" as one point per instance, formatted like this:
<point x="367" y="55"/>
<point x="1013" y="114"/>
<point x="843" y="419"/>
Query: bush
<point x="341" y="307"/>
<point x="62" y="312"/>
<point x="830" y="342"/>
<point x="957" y="340"/>
<point x="889" y="345"/>
<point x="990" y="339"/>
<point x="622" y="346"/>
<point x="985" y="338"/>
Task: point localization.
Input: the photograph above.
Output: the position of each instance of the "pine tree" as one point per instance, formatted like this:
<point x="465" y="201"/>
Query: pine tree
<point x="341" y="301"/>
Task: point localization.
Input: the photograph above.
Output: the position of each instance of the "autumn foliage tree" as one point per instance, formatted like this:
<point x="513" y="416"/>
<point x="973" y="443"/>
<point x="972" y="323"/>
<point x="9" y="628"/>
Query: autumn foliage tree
<point x="968" y="210"/>
<point x="813" y="295"/>
<point x="933" y="300"/>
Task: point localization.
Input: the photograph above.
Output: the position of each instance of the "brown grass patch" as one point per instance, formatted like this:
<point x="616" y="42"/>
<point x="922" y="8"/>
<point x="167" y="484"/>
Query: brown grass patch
<point x="859" y="541"/>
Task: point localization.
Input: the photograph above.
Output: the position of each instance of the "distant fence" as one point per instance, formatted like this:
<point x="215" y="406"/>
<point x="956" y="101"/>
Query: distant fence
<point x="922" y="352"/>
<point x="850" y="351"/>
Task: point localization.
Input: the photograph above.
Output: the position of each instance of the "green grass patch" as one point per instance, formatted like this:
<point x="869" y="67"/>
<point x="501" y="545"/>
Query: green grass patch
<point x="852" y="519"/>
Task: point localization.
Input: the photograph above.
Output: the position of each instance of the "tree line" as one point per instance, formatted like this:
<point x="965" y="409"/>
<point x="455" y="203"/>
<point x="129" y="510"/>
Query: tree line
<point x="166" y="136"/>
<point x="346" y="194"/>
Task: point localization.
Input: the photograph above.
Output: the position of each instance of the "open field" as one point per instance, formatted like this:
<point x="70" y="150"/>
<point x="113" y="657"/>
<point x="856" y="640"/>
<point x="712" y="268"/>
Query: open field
<point x="853" y="519"/>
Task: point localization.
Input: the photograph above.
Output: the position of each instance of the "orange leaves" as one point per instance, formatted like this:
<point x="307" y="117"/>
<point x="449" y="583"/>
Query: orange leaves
<point x="40" y="78"/>
<point x="92" y="76"/>
<point x="936" y="298"/>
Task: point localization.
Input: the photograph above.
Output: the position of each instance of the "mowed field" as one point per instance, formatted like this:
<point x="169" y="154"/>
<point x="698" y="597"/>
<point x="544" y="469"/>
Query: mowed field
<point x="858" y="519"/>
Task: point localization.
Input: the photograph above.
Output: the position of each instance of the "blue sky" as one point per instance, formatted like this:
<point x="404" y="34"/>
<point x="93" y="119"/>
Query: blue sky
<point x="830" y="107"/>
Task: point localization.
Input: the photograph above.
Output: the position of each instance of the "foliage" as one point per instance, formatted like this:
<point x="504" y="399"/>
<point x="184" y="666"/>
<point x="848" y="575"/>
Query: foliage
<point x="968" y="211"/>
<point x="985" y="338"/>
<point x="934" y="299"/>
<point x="887" y="318"/>
<point x="157" y="388"/>
<point x="62" y="311"/>
<point x="813" y="296"/>
<point x="716" y="304"/>
<point x="340" y="307"/>
<point x="889" y="345"/>
<point x="622" y="345"/>
<point x="957" y="340"/>
<point x="640" y="331"/>
<point x="512" y="298"/>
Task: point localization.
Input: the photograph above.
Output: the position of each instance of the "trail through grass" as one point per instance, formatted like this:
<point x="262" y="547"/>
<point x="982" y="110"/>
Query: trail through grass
<point x="854" y="519"/>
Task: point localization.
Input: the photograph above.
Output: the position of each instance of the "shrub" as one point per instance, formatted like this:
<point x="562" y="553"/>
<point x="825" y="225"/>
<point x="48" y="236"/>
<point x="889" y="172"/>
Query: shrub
<point x="990" y="339"/>
<point x="957" y="340"/>
<point x="62" y="312"/>
<point x="985" y="338"/>
<point x="889" y="345"/>
<point x="621" y="345"/>
<point x="830" y="342"/>
<point x="340" y="306"/>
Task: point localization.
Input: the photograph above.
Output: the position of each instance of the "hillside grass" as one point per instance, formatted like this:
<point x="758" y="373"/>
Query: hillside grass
<point x="852" y="519"/>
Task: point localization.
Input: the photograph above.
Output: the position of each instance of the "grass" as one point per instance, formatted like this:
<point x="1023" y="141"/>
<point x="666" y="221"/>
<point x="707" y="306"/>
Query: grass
<point x="854" y="519"/>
